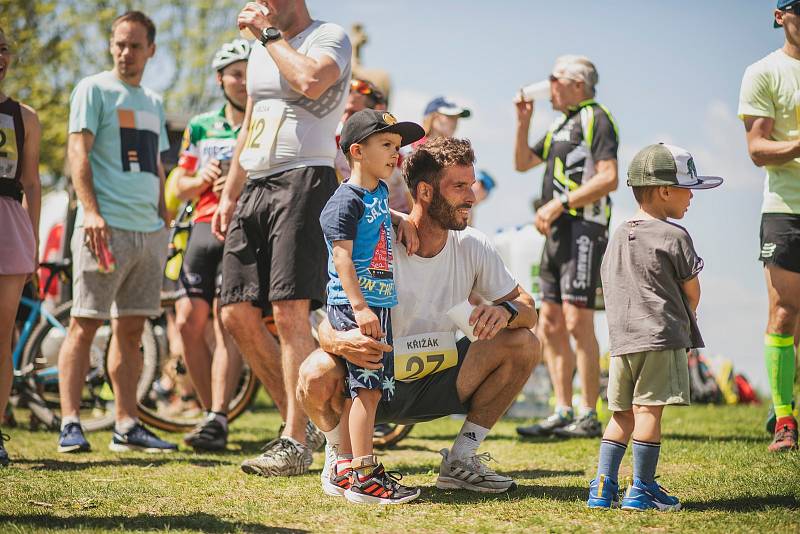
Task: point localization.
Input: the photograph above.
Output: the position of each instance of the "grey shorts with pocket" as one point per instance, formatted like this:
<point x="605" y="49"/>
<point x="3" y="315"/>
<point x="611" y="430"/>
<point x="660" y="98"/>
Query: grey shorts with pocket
<point x="133" y="289"/>
<point x="652" y="378"/>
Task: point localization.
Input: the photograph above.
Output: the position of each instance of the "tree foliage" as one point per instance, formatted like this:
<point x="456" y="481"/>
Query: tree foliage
<point x="58" y="42"/>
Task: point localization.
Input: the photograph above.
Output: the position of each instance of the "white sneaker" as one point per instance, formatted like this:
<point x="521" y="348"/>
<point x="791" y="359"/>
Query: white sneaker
<point x="471" y="474"/>
<point x="282" y="457"/>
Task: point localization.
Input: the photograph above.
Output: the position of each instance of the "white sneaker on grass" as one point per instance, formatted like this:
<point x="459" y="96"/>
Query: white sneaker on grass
<point x="471" y="474"/>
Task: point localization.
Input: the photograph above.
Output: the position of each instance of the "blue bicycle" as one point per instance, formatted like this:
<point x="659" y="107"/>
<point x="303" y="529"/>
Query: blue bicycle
<point x="35" y="359"/>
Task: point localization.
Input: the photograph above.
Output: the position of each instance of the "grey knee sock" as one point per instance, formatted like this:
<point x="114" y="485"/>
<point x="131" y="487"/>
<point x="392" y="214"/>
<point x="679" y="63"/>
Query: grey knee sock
<point x="645" y="460"/>
<point x="611" y="455"/>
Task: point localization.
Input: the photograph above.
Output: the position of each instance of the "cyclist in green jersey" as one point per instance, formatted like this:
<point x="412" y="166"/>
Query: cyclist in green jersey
<point x="206" y="151"/>
<point x="580" y="154"/>
<point x="769" y="105"/>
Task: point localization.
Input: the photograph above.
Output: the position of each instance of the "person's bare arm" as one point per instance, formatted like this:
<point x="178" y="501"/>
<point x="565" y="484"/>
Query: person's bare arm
<point x="692" y="290"/>
<point x="762" y="148"/>
<point x="490" y="319"/>
<point x="524" y="158"/>
<point x="31" y="183"/>
<point x="368" y="322"/>
<point x="352" y="345"/>
<point x="525" y="305"/>
<point x="604" y="181"/>
<point x="309" y="76"/>
<point x="235" y="181"/>
<point x="162" y="201"/>
<point x="95" y="228"/>
<point x="191" y="186"/>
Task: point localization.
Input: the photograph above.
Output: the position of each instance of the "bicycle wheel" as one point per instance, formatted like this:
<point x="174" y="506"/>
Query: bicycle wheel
<point x="156" y="412"/>
<point x="40" y="363"/>
<point x="387" y="435"/>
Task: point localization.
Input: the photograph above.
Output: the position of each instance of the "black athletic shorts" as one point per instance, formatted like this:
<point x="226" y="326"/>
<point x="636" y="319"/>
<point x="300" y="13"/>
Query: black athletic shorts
<point x="780" y="240"/>
<point x="570" y="266"/>
<point x="428" y="398"/>
<point x="201" y="272"/>
<point x="274" y="249"/>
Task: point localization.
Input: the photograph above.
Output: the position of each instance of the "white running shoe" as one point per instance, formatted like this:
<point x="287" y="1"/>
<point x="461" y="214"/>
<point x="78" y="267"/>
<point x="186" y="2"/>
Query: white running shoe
<point x="471" y="474"/>
<point x="281" y="458"/>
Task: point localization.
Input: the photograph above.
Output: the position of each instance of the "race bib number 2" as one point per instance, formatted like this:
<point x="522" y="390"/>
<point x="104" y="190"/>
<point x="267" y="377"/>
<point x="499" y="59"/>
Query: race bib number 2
<point x="424" y="354"/>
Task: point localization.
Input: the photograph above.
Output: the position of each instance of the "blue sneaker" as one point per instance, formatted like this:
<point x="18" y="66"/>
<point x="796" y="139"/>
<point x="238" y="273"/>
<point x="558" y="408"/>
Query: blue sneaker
<point x="603" y="493"/>
<point x="72" y="440"/>
<point x="643" y="496"/>
<point x="139" y="438"/>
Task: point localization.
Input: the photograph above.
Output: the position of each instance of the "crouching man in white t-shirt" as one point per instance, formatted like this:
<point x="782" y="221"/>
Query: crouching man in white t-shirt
<point x="434" y="373"/>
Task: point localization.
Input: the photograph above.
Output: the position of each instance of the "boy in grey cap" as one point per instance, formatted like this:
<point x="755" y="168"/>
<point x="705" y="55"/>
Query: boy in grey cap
<point x="649" y="276"/>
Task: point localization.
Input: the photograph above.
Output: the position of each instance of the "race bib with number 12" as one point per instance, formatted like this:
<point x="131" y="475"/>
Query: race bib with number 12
<point x="424" y="354"/>
<point x="265" y="121"/>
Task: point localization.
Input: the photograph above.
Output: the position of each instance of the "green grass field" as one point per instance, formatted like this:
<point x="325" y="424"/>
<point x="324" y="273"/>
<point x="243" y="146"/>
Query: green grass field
<point x="713" y="458"/>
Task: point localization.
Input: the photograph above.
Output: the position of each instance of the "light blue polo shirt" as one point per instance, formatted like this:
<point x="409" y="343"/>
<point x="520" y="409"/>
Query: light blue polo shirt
<point x="130" y="132"/>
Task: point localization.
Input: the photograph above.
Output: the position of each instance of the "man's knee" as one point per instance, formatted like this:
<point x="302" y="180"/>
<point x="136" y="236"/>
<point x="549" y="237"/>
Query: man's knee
<point x="783" y="316"/>
<point x="579" y="323"/>
<point x="291" y="316"/>
<point x="239" y="317"/>
<point x="319" y="377"/>
<point x="83" y="329"/>
<point x="128" y="329"/>
<point x="190" y="322"/>
<point x="523" y="348"/>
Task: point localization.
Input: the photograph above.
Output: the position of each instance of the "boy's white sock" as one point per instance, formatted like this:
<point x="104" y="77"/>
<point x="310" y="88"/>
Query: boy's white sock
<point x="334" y="436"/>
<point x="469" y="439"/>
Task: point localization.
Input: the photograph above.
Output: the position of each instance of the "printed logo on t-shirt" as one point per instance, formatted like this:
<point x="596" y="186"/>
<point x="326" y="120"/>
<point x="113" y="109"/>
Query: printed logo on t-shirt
<point x="138" y="136"/>
<point x="381" y="264"/>
<point x="8" y="147"/>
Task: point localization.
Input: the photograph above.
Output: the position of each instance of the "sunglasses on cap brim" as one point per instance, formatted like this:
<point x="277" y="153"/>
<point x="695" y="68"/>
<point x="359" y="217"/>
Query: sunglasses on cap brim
<point x="367" y="89"/>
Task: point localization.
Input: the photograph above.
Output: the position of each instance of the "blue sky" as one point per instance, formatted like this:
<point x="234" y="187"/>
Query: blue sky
<point x="669" y="71"/>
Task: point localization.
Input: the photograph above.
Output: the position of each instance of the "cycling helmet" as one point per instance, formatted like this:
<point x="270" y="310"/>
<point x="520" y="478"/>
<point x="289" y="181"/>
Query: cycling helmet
<point x="229" y="53"/>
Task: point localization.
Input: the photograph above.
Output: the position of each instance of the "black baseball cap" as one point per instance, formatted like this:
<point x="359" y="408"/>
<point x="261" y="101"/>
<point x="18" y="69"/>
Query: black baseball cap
<point x="366" y="122"/>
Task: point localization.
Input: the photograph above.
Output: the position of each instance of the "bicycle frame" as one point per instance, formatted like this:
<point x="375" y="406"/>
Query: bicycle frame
<point x="37" y="311"/>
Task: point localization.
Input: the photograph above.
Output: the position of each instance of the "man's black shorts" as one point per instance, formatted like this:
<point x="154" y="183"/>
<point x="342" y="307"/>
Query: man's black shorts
<point x="428" y="398"/>
<point x="570" y="266"/>
<point x="201" y="272"/>
<point x="274" y="249"/>
<point x="780" y="240"/>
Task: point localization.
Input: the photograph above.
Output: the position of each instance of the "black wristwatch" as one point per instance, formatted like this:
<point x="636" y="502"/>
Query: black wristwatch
<point x="270" y="34"/>
<point x="511" y="309"/>
<point x="564" y="198"/>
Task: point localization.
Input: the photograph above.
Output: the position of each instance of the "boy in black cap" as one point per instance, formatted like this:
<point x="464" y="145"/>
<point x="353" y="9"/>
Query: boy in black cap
<point x="356" y="223"/>
<point x="651" y="293"/>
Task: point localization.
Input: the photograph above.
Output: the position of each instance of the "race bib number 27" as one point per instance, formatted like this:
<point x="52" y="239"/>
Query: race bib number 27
<point x="424" y="354"/>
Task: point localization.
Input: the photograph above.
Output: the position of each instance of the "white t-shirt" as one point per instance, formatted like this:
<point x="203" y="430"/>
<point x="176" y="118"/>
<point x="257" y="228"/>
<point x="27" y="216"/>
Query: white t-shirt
<point x="306" y="128"/>
<point x="428" y="287"/>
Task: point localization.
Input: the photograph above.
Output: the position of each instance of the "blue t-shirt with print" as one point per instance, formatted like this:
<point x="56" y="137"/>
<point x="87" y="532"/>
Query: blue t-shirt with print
<point x="129" y="128"/>
<point x="361" y="216"/>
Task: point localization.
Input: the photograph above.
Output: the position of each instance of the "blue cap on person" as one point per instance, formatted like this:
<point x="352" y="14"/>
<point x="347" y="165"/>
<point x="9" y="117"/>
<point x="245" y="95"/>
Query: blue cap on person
<point x="783" y="5"/>
<point x="446" y="107"/>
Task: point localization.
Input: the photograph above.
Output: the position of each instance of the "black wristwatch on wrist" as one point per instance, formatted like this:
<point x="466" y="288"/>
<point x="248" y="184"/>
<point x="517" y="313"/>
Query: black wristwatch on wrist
<point x="511" y="309"/>
<point x="564" y="199"/>
<point x="269" y="34"/>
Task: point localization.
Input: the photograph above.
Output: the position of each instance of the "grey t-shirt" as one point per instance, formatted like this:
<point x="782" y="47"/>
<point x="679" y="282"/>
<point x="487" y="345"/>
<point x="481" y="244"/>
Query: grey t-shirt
<point x="643" y="270"/>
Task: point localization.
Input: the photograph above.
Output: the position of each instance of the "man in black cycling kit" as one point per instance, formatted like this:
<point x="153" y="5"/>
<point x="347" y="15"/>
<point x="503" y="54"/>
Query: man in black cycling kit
<point x="580" y="153"/>
<point x="207" y="148"/>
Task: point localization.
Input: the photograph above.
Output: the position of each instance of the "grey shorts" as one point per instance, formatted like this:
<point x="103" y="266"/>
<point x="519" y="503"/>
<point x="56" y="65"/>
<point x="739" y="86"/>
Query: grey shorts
<point x="133" y="289"/>
<point x="652" y="378"/>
